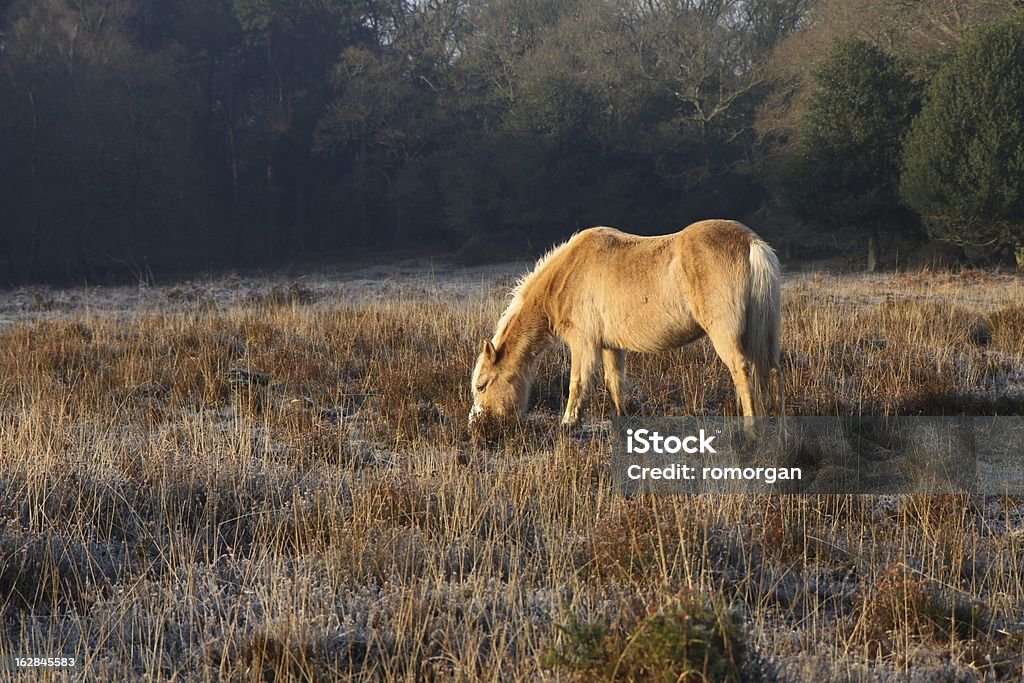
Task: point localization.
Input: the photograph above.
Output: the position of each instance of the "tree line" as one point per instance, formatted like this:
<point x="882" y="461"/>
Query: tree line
<point x="141" y="134"/>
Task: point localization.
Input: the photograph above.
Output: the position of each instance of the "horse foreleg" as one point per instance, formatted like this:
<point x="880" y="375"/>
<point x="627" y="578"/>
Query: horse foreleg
<point x="581" y="374"/>
<point x="614" y="372"/>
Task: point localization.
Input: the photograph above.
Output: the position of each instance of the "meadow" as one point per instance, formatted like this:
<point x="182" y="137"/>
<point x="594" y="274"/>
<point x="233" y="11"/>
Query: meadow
<point x="272" y="479"/>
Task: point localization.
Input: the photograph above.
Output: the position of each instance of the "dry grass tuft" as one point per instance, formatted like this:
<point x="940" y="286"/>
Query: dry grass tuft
<point x="902" y="606"/>
<point x="689" y="640"/>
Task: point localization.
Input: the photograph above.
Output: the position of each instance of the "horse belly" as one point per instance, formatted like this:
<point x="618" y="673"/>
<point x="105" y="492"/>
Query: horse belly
<point x="652" y="334"/>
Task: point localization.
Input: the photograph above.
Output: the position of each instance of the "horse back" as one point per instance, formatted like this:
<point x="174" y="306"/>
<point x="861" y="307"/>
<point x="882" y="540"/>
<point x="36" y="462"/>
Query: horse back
<point x="650" y="293"/>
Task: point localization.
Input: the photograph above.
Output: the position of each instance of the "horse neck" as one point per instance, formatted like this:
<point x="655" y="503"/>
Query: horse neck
<point x="526" y="335"/>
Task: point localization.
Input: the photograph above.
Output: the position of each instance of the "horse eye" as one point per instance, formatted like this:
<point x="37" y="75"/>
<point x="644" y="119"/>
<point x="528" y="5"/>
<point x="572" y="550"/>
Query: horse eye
<point x="481" y="388"/>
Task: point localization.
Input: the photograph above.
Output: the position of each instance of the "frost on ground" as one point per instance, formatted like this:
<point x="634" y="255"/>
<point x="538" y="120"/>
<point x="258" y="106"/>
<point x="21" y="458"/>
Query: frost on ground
<point x="410" y="278"/>
<point x="270" y="477"/>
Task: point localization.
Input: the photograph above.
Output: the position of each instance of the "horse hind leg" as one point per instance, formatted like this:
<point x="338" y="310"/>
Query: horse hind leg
<point x="581" y="375"/>
<point x="729" y="348"/>
<point x="740" y="369"/>
<point x="614" y="374"/>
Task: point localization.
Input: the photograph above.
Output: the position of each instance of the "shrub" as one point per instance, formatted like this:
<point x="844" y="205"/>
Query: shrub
<point x="689" y="641"/>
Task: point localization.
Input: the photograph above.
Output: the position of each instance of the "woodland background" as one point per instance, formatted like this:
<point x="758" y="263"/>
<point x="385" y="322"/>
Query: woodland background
<point x="144" y="137"/>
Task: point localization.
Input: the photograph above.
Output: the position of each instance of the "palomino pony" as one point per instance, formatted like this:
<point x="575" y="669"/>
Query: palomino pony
<point x="605" y="292"/>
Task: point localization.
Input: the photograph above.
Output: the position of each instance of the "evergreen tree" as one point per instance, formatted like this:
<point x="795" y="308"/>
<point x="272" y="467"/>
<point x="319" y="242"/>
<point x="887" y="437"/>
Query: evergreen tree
<point x="846" y="170"/>
<point x="964" y="157"/>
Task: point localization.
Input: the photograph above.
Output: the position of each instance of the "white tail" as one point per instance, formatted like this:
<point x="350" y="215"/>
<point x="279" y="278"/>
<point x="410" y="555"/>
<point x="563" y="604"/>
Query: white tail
<point x="764" y="327"/>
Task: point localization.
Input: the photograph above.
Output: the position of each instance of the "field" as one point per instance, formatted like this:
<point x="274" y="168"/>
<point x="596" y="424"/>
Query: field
<point x="272" y="478"/>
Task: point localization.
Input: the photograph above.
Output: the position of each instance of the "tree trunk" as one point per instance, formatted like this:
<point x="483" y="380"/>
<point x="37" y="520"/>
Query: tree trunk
<point x="1018" y="254"/>
<point x="33" y="255"/>
<point x="305" y="231"/>
<point x="236" y="225"/>
<point x="273" y="238"/>
<point x="873" y="251"/>
<point x="362" y="210"/>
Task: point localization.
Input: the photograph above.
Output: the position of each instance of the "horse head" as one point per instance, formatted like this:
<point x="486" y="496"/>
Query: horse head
<point x="499" y="389"/>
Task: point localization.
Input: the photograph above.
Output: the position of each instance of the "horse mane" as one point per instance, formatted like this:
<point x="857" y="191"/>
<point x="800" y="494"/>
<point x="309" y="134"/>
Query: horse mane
<point x="518" y="293"/>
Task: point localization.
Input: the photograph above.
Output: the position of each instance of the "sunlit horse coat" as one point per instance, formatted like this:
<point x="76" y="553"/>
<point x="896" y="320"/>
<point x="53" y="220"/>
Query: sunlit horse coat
<point x="605" y="292"/>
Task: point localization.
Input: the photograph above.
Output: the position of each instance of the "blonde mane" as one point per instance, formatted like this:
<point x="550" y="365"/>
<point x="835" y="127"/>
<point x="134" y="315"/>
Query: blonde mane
<point x="519" y="291"/>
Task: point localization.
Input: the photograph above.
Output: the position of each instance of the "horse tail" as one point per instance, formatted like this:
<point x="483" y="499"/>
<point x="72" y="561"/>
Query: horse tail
<point x="764" y="327"/>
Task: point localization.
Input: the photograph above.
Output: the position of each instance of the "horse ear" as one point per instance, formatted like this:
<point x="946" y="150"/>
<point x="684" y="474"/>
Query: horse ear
<point x="490" y="351"/>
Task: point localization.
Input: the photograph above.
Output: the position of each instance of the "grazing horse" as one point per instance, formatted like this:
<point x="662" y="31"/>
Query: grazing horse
<point x="605" y="292"/>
